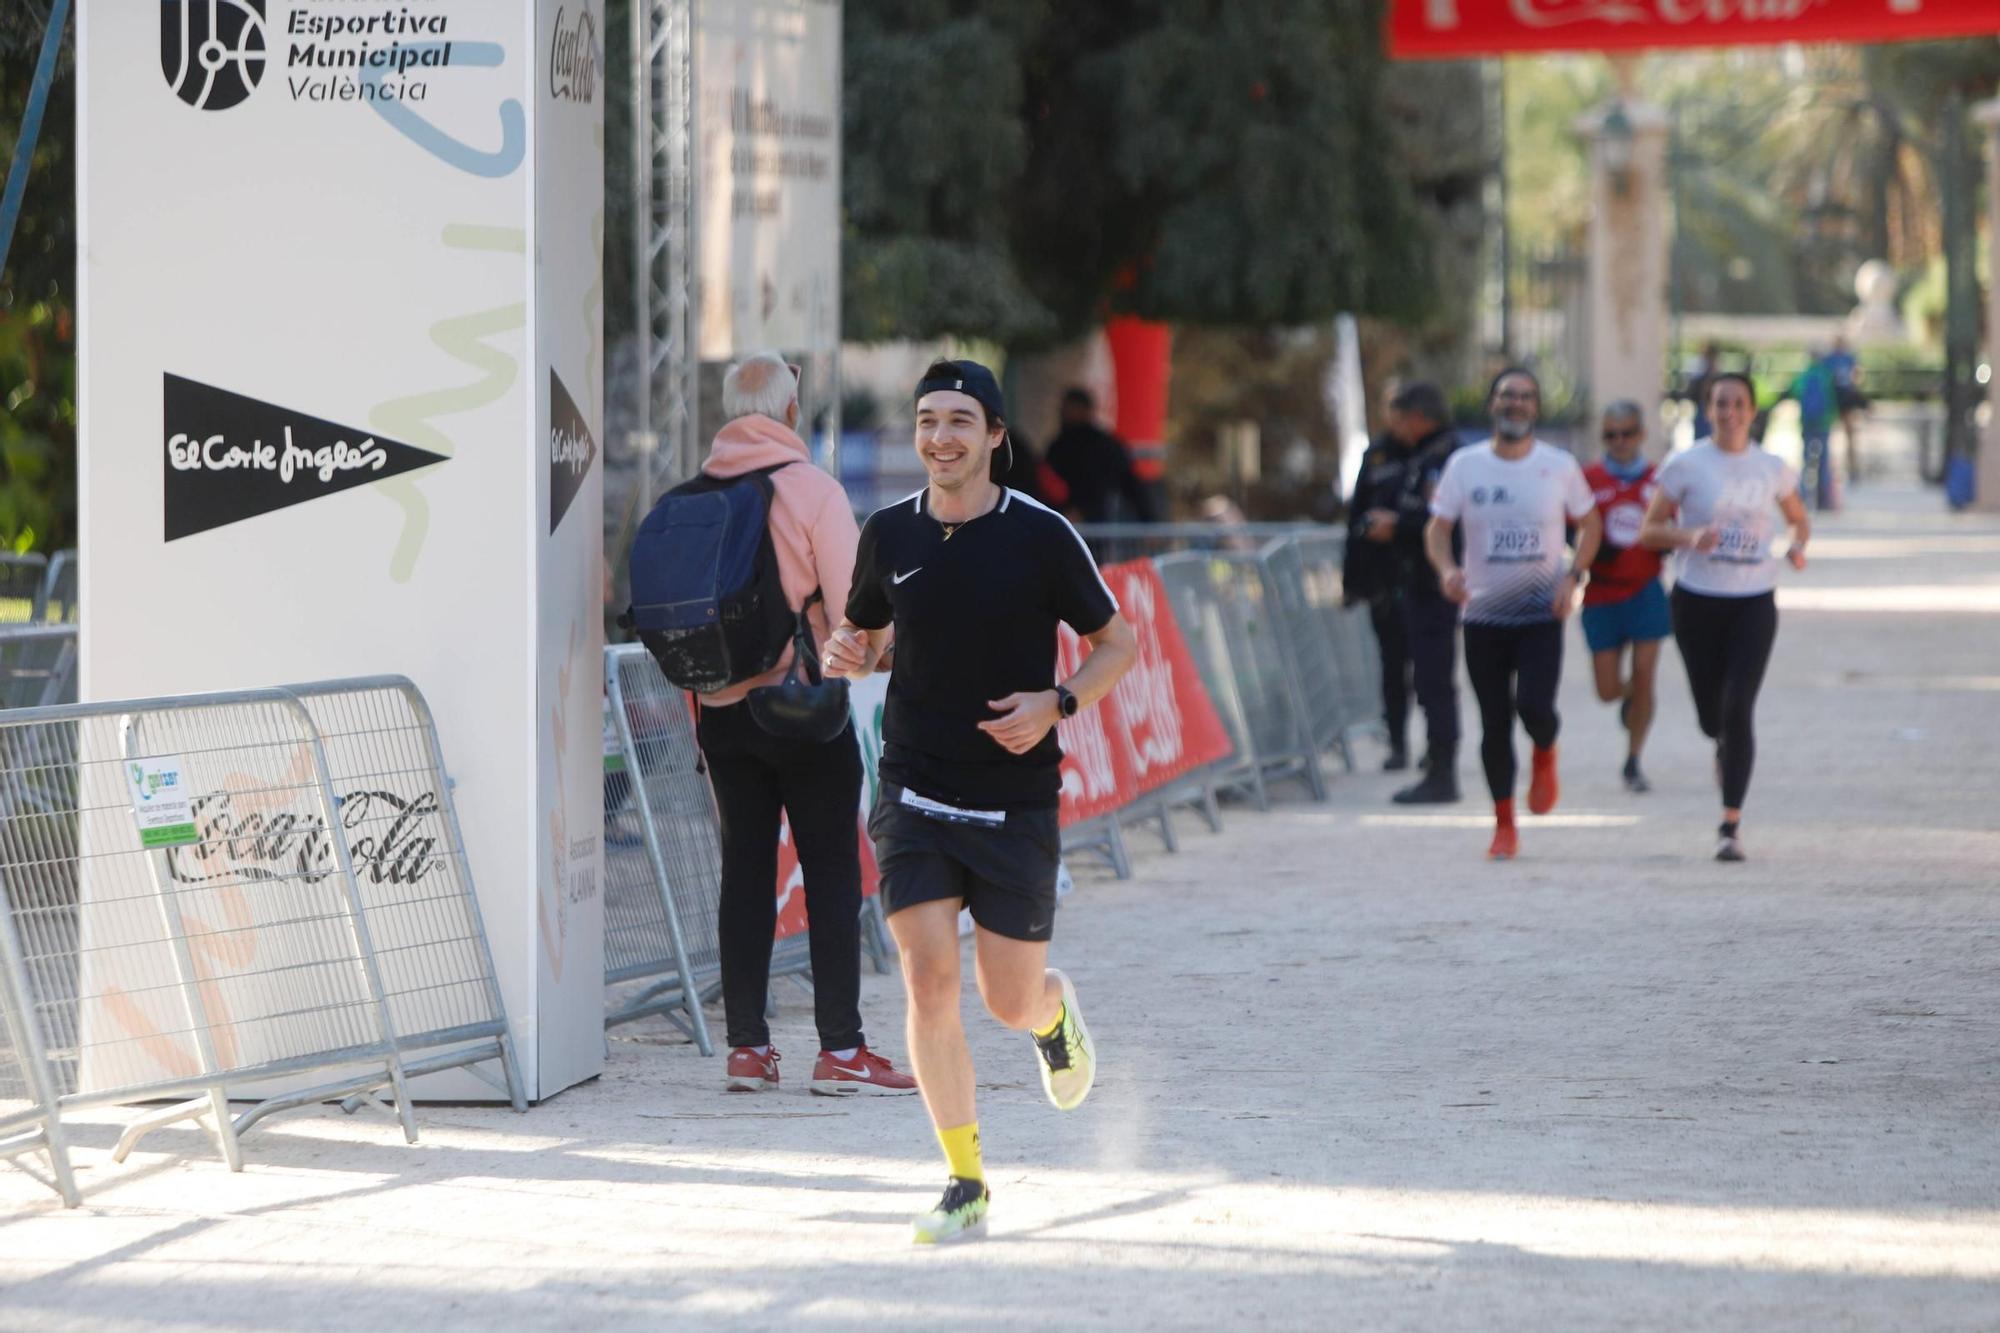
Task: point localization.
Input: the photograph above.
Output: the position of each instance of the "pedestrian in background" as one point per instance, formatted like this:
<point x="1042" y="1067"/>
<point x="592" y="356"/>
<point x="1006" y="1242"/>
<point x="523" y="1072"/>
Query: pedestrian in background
<point x="758" y="777"/>
<point x="1430" y="619"/>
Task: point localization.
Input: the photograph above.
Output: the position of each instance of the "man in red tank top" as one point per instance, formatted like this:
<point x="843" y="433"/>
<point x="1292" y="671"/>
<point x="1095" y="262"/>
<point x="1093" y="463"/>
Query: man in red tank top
<point x="1625" y="603"/>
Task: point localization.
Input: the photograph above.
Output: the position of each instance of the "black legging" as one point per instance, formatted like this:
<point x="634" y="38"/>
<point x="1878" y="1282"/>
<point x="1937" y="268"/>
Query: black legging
<point x="1726" y="644"/>
<point x="1514" y="671"/>
<point x="757" y="776"/>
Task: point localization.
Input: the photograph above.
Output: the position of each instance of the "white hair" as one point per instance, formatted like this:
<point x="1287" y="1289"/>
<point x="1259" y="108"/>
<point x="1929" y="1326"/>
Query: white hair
<point x="761" y="384"/>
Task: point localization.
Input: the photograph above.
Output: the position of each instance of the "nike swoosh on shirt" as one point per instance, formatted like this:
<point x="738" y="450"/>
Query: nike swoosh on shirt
<point x="898" y="578"/>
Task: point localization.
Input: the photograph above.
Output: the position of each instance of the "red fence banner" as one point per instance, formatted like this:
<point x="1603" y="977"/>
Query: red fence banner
<point x="1097" y="771"/>
<point x="1169" y="721"/>
<point x="1455" y="29"/>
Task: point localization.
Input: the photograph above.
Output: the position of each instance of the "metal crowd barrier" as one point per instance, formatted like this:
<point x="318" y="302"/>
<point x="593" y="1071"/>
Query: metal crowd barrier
<point x="1347" y="632"/>
<point x="395" y="802"/>
<point x="217" y="943"/>
<point x="1191" y="594"/>
<point x="37" y="665"/>
<point x="58" y="600"/>
<point x="23" y="588"/>
<point x="663" y="880"/>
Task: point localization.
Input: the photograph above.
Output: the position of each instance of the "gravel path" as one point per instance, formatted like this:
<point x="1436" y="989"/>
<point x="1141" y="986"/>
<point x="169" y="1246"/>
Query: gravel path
<point x="1352" y="1075"/>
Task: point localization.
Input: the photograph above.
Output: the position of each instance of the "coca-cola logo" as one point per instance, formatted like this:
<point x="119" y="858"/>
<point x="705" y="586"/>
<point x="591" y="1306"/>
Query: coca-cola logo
<point x="391" y="840"/>
<point x="573" y="57"/>
<point x="1146" y="696"/>
<point x="1559" y="13"/>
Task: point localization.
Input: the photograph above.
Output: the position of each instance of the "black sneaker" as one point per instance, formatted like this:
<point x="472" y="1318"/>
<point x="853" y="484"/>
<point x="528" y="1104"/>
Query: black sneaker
<point x="1438" y="787"/>
<point x="1398" y="760"/>
<point x="1729" y="847"/>
<point x="1635" y="781"/>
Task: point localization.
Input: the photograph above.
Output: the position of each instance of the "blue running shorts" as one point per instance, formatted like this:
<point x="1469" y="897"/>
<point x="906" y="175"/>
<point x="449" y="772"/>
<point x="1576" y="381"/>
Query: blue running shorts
<point x="1640" y="618"/>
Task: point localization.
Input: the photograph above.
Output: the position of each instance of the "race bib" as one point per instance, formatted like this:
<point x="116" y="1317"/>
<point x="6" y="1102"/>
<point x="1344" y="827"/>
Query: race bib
<point x="1514" y="543"/>
<point x="1738" y="545"/>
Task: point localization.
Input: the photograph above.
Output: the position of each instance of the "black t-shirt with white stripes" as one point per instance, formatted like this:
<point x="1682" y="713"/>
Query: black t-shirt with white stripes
<point x="975" y="616"/>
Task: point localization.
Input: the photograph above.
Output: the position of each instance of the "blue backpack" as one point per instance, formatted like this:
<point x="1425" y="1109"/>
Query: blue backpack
<point x="706" y="597"/>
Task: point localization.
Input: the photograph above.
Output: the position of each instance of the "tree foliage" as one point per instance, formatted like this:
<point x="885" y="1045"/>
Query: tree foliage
<point x="37" y="331"/>
<point x="1019" y="170"/>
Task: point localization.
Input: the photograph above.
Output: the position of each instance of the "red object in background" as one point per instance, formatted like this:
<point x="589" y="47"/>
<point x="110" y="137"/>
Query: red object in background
<point x="1142" y="359"/>
<point x="1097" y="773"/>
<point x="1454" y="29"/>
<point x="1169" y="722"/>
<point x="792" y="880"/>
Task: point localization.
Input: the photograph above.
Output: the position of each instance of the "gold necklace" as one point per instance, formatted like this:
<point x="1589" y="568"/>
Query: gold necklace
<point x="949" y="528"/>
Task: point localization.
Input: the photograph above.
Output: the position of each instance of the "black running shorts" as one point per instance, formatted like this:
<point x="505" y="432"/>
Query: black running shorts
<point x="1004" y="870"/>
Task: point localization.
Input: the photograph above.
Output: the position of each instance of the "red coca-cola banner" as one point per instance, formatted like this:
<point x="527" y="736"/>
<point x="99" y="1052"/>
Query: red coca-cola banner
<point x="1097" y="772"/>
<point x="1170" y="724"/>
<point x="1453" y="29"/>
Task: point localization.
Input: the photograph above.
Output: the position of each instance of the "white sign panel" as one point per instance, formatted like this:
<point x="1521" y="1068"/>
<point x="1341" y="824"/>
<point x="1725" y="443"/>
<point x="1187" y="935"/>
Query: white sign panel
<point x="767" y="171"/>
<point x="340" y="394"/>
<point x="160" y="801"/>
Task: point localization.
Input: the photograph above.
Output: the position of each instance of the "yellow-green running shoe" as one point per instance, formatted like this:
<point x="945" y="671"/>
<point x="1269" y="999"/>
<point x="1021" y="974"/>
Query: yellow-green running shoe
<point x="1069" y="1061"/>
<point x="961" y="1212"/>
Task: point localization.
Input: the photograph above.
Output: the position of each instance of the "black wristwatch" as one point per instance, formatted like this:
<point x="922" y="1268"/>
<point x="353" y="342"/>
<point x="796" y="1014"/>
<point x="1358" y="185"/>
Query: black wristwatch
<point x="1066" y="703"/>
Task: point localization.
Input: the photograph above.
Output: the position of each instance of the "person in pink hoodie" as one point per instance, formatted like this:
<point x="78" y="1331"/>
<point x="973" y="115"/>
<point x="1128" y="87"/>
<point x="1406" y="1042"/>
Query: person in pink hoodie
<point x="756" y="775"/>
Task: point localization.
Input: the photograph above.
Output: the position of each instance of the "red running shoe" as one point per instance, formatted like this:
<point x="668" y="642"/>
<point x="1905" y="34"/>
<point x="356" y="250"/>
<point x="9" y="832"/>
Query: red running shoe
<point x="751" y="1072"/>
<point x="1506" y="842"/>
<point x="867" y="1075"/>
<point x="1543" y="788"/>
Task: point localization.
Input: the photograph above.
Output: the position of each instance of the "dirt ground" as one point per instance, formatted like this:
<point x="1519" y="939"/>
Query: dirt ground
<point x="1352" y="1076"/>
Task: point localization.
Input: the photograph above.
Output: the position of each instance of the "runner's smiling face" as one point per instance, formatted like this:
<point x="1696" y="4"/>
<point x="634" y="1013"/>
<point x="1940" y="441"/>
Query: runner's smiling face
<point x="954" y="442"/>
<point x="1729" y="413"/>
<point x="1517" y="402"/>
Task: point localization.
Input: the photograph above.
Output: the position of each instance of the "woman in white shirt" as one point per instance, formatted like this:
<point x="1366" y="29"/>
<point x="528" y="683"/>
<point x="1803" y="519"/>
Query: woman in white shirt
<point x="1727" y="494"/>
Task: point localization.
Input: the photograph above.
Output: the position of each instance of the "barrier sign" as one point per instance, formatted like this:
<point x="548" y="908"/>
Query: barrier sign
<point x="160" y="801"/>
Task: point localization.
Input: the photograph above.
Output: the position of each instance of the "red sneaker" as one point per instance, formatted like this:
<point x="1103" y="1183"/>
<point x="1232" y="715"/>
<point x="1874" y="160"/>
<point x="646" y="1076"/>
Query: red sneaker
<point x="867" y="1074"/>
<point x="1506" y="843"/>
<point x="1543" y="787"/>
<point x="751" y="1072"/>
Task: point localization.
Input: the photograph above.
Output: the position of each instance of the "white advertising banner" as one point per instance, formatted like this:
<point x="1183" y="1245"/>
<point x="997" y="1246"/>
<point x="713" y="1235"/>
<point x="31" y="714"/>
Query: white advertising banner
<point x="340" y="340"/>
<point x="767" y="173"/>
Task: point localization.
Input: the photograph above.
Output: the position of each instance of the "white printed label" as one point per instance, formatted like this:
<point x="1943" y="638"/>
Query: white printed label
<point x="992" y="818"/>
<point x="1514" y="543"/>
<point x="160" y="801"/>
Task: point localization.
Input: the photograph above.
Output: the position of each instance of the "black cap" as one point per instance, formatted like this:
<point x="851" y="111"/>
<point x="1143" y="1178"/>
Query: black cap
<point x="966" y="377"/>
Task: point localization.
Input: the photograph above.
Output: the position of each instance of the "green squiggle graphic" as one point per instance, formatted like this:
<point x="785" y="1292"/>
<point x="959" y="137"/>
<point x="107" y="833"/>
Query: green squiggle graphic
<point x="408" y="419"/>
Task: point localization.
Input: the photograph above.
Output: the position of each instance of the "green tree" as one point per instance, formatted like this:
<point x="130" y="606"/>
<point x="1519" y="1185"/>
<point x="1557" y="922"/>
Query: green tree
<point x="1019" y="170"/>
<point x="37" y="331"/>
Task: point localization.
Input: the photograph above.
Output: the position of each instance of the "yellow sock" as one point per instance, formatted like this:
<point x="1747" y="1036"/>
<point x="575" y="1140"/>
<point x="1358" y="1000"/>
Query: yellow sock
<point x="961" y="1151"/>
<point x="1054" y="1023"/>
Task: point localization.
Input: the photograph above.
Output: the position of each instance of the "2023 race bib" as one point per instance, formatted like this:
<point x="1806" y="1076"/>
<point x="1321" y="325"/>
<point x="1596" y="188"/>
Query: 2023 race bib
<point x="1514" y="543"/>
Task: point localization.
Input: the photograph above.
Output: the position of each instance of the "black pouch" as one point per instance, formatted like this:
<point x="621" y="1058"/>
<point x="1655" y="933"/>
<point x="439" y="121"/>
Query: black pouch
<point x="804" y="706"/>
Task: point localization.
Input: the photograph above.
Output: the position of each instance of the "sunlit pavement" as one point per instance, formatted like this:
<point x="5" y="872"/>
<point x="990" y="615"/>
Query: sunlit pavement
<point x="1353" y="1076"/>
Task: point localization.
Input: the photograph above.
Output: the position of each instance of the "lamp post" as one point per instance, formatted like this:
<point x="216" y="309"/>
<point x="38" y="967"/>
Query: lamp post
<point x="1615" y="141"/>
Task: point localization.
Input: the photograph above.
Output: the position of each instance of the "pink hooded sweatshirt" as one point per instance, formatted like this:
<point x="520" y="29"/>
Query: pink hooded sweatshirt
<point x="812" y="530"/>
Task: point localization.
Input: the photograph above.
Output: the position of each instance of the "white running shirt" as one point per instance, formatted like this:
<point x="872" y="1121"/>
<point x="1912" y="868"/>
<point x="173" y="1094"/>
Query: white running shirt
<point x="1739" y="494"/>
<point x="1513" y="514"/>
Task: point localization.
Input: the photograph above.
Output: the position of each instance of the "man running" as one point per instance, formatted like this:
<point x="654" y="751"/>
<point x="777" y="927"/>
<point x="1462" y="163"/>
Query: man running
<point x="1625" y="605"/>
<point x="973" y="577"/>
<point x="1513" y="495"/>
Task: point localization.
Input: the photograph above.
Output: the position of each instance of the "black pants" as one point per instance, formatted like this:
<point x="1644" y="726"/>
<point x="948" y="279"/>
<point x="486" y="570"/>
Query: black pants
<point x="1514" y="671"/>
<point x="1430" y="626"/>
<point x="1385" y="612"/>
<point x="1726" y="644"/>
<point x="755" y="775"/>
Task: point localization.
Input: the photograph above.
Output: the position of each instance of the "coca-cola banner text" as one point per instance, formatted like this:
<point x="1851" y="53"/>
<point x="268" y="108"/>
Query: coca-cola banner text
<point x="1453" y="29"/>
